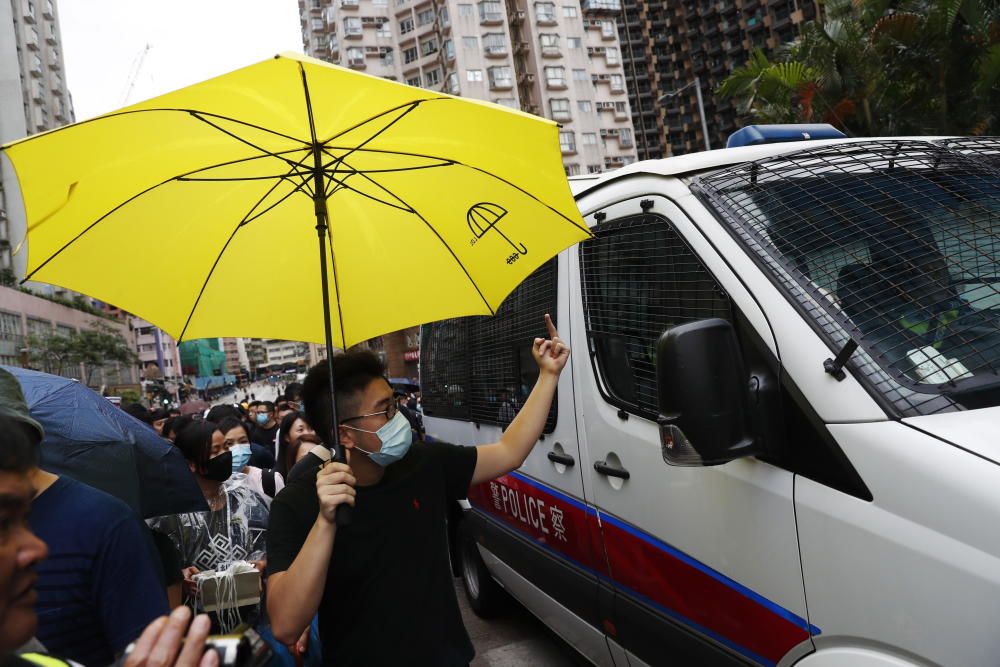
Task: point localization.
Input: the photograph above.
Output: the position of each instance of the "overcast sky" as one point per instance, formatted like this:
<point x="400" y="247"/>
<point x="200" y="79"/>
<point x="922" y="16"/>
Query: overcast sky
<point x="190" y="40"/>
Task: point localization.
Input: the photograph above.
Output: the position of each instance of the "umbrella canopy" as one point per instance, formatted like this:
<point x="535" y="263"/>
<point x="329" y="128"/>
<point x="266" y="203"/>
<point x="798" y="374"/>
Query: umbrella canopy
<point x="197" y="189"/>
<point x="89" y="439"/>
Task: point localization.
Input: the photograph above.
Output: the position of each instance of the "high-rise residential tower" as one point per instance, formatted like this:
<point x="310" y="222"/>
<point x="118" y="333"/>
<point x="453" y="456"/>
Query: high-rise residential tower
<point x="554" y="58"/>
<point x="667" y="45"/>
<point x="33" y="98"/>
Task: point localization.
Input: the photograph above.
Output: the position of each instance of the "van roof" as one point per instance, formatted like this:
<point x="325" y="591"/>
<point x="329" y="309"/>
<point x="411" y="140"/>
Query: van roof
<point x="694" y="162"/>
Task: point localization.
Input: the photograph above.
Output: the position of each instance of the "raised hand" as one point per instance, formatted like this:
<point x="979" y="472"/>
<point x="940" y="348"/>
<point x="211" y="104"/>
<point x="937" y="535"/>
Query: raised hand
<point x="551" y="355"/>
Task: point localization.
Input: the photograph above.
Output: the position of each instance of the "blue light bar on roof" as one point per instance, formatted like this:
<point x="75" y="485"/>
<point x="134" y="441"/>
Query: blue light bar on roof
<point x="754" y="135"/>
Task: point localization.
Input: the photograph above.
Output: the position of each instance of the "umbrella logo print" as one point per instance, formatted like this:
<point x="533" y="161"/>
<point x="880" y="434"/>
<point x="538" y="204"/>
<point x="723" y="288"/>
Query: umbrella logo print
<point x="483" y="217"/>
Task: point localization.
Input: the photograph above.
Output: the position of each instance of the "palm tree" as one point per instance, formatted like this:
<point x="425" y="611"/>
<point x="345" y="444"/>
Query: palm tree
<point x="883" y="67"/>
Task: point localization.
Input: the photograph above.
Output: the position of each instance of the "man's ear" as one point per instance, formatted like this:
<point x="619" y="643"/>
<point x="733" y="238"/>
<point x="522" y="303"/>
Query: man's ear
<point x="346" y="436"/>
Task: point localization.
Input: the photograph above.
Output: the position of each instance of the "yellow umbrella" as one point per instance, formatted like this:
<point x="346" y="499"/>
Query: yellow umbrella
<point x="180" y="208"/>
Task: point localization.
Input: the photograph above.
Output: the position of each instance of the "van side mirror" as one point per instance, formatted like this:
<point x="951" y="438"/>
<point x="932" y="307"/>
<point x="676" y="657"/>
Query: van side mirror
<point x="702" y="390"/>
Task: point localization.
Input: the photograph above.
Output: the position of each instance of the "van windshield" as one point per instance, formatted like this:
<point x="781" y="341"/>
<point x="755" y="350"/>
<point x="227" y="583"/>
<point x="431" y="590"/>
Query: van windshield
<point x="893" y="244"/>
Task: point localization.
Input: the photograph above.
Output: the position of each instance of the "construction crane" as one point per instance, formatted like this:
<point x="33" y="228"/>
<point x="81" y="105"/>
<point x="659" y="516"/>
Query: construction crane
<point x="133" y="75"/>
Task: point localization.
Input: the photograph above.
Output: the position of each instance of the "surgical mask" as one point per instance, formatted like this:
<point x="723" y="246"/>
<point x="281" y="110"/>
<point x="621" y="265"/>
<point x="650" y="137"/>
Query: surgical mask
<point x="241" y="455"/>
<point x="261" y="418"/>
<point x="396" y="438"/>
<point x="219" y="469"/>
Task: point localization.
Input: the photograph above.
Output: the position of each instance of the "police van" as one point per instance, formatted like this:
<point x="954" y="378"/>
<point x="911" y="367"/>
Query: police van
<point x="778" y="440"/>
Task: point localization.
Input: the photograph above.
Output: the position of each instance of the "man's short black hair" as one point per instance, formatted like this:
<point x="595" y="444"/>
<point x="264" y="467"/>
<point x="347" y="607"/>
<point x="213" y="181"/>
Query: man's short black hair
<point x="293" y="392"/>
<point x="267" y="404"/>
<point x="352" y="372"/>
<point x="156" y="415"/>
<point x="220" y="412"/>
<point x="174" y="425"/>
<point x="138" y="411"/>
<point x="18" y="446"/>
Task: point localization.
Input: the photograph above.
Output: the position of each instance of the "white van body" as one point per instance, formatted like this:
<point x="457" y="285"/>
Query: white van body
<point x="866" y="532"/>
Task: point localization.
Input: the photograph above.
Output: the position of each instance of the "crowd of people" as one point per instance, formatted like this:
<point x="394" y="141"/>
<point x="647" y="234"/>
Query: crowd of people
<point x="98" y="579"/>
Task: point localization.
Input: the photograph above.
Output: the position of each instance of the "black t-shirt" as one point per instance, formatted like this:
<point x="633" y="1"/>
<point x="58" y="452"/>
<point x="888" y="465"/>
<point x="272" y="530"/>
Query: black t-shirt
<point x="265" y="437"/>
<point x="389" y="599"/>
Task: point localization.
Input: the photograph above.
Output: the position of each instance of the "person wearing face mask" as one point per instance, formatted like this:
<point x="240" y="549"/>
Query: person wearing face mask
<point x="387" y="575"/>
<point x="266" y="483"/>
<point x="235" y="526"/>
<point x="264" y="431"/>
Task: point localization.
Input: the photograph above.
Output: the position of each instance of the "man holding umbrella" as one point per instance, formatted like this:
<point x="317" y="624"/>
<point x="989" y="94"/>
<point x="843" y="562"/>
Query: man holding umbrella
<point x="382" y="585"/>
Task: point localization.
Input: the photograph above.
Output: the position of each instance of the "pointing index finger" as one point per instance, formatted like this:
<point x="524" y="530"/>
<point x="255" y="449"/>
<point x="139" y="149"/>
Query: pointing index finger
<point x="551" y="327"/>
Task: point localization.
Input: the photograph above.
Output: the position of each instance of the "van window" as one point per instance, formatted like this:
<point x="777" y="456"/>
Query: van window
<point x="481" y="368"/>
<point x="895" y="244"/>
<point x="640" y="278"/>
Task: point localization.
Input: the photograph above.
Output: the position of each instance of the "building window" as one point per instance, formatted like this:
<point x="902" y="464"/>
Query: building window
<point x="617" y="83"/>
<point x="465" y="10"/>
<point x="584" y="106"/>
<point x="555" y="76"/>
<point x="453" y="85"/>
<point x="432" y="77"/>
<point x="383" y="30"/>
<point x="405" y="26"/>
<point x="508" y="102"/>
<point x="611" y="56"/>
<point x="500" y="77"/>
<point x="593" y="168"/>
<point x="449" y="49"/>
<point x="619" y="107"/>
<point x="428" y="47"/>
<point x="355" y="57"/>
<point x="470" y="43"/>
<point x="413" y="81"/>
<point x="589" y="138"/>
<point x="572" y="169"/>
<point x="494" y="43"/>
<point x="387" y="57"/>
<point x="570" y="11"/>
<point x="490" y="11"/>
<point x="574" y="42"/>
<point x="625" y="137"/>
<point x="545" y="12"/>
<point x="380" y="3"/>
<point x="352" y="25"/>
<point x="425" y="16"/>
<point x="559" y="108"/>
<point x="608" y="29"/>
<point x="474" y="75"/>
<point x="445" y="17"/>
<point x="639" y="278"/>
<point x="550" y="44"/>
<point x="567" y="141"/>
<point x="409" y="54"/>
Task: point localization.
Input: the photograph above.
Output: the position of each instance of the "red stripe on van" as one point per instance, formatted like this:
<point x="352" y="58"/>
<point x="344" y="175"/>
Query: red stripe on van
<point x="685" y="592"/>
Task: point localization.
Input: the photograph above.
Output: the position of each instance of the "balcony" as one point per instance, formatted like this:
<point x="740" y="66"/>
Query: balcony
<point x="501" y="83"/>
<point x="601" y="6"/>
<point x="491" y="13"/>
<point x="357" y="62"/>
<point x="28" y="11"/>
<point x="49" y="10"/>
<point x="495" y="50"/>
<point x="349" y="4"/>
<point x="50" y="35"/>
<point x="545" y="19"/>
<point x="556" y="83"/>
<point x="551" y="52"/>
<point x="31" y="41"/>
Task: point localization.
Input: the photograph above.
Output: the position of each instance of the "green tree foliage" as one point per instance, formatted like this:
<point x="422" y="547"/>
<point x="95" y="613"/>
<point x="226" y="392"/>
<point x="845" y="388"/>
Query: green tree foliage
<point x="883" y="67"/>
<point x="56" y="352"/>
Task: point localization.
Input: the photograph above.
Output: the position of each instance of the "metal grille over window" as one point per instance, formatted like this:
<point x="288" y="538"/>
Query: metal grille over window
<point x="983" y="148"/>
<point x="481" y="368"/>
<point x="892" y="244"/>
<point x="444" y="368"/>
<point x="639" y="279"/>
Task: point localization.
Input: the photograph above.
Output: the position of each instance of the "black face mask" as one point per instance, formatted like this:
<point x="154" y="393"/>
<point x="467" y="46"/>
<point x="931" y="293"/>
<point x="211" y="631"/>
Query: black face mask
<point x="219" y="468"/>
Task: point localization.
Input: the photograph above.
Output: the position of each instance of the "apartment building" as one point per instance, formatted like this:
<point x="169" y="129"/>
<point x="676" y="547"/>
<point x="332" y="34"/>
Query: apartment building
<point x="559" y="59"/>
<point x="33" y="98"/>
<point x="667" y="45"/>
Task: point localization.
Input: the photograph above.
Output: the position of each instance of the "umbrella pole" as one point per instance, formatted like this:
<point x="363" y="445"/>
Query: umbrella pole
<point x="343" y="516"/>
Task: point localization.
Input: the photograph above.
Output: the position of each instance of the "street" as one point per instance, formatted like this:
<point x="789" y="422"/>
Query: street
<point x="514" y="638"/>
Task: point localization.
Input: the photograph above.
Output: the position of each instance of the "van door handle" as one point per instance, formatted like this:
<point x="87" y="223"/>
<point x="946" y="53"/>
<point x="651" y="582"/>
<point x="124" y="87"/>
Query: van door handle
<point x="603" y="468"/>
<point x="564" y="459"/>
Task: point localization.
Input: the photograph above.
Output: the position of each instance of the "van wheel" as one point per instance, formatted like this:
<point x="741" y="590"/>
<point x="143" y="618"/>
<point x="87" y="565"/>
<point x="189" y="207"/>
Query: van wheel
<point x="485" y="595"/>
